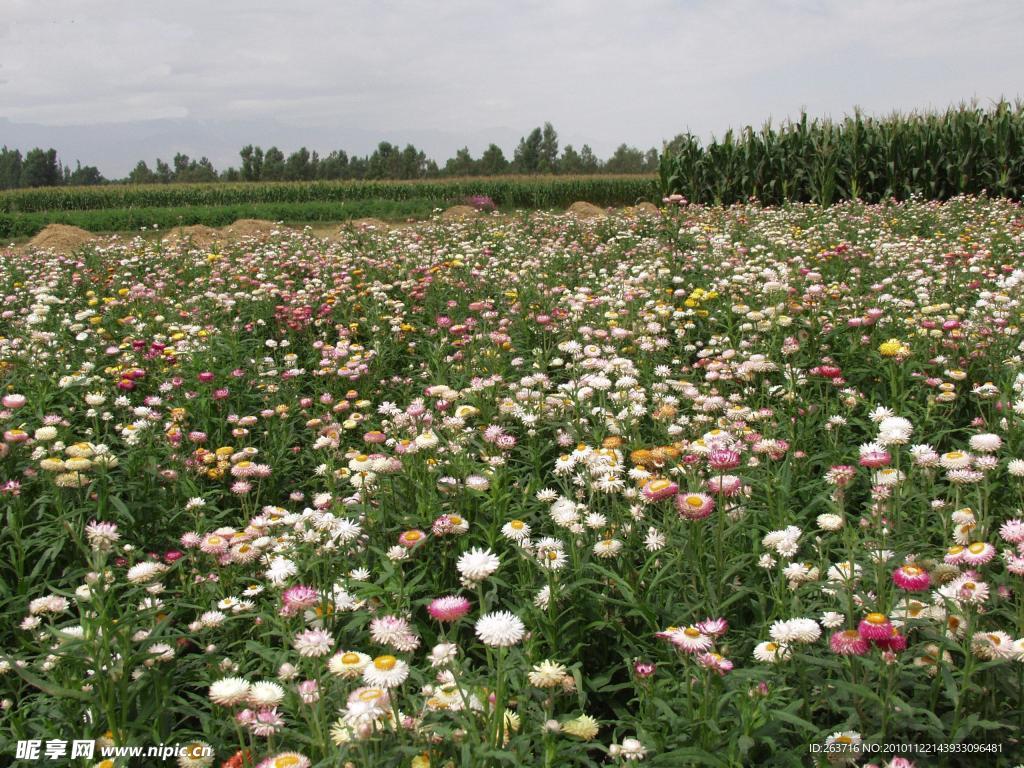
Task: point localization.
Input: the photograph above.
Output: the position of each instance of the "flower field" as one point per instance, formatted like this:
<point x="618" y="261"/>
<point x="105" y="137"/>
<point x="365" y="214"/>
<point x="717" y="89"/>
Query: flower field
<point x="720" y="487"/>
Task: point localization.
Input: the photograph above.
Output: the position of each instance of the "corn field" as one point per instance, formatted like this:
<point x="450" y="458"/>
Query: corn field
<point x="514" y="192"/>
<point x="966" y="150"/>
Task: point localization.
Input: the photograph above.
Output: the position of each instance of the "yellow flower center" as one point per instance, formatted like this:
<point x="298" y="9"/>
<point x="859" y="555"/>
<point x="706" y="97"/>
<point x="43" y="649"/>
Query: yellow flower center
<point x="350" y="658"/>
<point x="455" y="520"/>
<point x="371" y="694"/>
<point x="877" y="618"/>
<point x="412" y="536"/>
<point x="385" y="663"/>
<point x="912" y="570"/>
<point x="691" y="632"/>
<point x="694" y="501"/>
<point x="286" y="761"/>
<point x="977" y="547"/>
<point x="517" y="525"/>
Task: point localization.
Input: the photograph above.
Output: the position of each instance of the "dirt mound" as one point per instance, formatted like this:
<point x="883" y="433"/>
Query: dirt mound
<point x="649" y="208"/>
<point x="457" y="212"/>
<point x="370" y="223"/>
<point x="62" y="238"/>
<point x="586" y="210"/>
<point x="198" y="234"/>
<point x="251" y="228"/>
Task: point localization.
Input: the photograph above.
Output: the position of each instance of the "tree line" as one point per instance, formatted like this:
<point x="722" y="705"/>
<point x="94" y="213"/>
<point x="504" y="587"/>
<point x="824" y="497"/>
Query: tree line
<point x="537" y="153"/>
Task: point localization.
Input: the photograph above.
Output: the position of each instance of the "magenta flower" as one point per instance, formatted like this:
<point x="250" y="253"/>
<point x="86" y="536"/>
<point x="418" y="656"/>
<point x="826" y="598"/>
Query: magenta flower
<point x="449" y="608"/>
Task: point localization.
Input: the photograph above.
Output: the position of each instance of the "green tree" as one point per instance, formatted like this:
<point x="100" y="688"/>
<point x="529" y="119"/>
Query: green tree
<point x="357" y="168"/>
<point x="84" y="176"/>
<point x="41" y="169"/>
<point x="493" y="161"/>
<point x="273" y="165"/>
<point x="625" y="159"/>
<point x="164" y="174"/>
<point x="527" y="155"/>
<point x="334" y="166"/>
<point x="588" y="160"/>
<point x="548" y="153"/>
<point x="252" y="162"/>
<point x="299" y="166"/>
<point x="462" y="164"/>
<point x="570" y="161"/>
<point x="414" y="163"/>
<point x="10" y="168"/>
<point x="141" y="174"/>
<point x="385" y="162"/>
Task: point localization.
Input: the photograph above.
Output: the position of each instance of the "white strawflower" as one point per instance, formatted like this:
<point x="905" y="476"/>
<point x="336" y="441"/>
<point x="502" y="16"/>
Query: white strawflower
<point x="830" y="522"/>
<point x="547" y="674"/>
<point x="229" y="691"/>
<point x="386" y="672"/>
<point x="632" y="749"/>
<point x="477" y="564"/>
<point x="500" y="629"/>
<point x="265" y="694"/>
<point x="1016" y="467"/>
<point x="313" y="642"/>
<point x="795" y="631"/>
<point x="832" y="619"/>
<point x="894" y="430"/>
<point x="771" y="652"/>
<point x="986" y="443"/>
<point x="146" y="571"/>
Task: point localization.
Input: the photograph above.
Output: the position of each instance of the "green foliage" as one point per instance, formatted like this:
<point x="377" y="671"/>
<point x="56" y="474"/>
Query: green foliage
<point x="509" y="191"/>
<point x="967" y="150"/>
<point x="126" y="219"/>
<point x="40" y="169"/>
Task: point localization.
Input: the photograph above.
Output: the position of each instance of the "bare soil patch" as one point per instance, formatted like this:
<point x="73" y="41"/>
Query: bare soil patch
<point x="585" y="210"/>
<point x="459" y="212"/>
<point x="62" y="238"/>
<point x="198" y="234"/>
<point x="252" y="228"/>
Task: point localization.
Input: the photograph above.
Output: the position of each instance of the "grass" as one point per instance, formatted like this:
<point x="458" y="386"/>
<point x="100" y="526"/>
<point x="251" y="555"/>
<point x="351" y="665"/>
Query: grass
<point x="23" y="225"/>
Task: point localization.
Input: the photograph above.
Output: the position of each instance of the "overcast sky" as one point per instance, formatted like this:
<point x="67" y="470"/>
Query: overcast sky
<point x="110" y="82"/>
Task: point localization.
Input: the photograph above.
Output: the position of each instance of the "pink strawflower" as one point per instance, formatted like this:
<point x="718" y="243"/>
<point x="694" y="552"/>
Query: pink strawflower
<point x="713" y="627"/>
<point x="911" y="577"/>
<point x="1012" y="531"/>
<point x="723" y="459"/>
<point x="659" y="488"/>
<point x="449" y="608"/>
<point x="848" y="642"/>
<point x="298" y="598"/>
<point x="412" y="538"/>
<point x="978" y="553"/>
<point x="714" y="661"/>
<point x="724" y="485"/>
<point x="694" y="506"/>
<point x="875" y="626"/>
